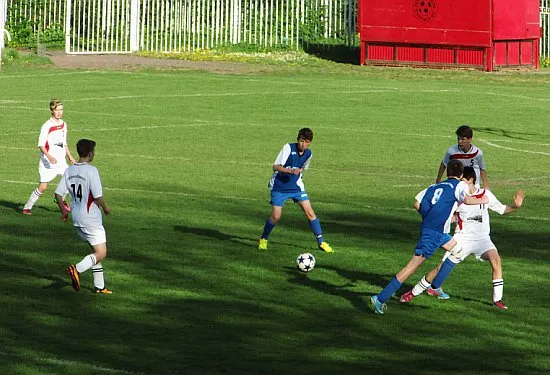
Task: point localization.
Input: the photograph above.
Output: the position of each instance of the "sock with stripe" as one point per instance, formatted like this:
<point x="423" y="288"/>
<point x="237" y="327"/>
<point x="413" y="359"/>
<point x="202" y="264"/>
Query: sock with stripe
<point x="421" y="287"/>
<point x="498" y="289"/>
<point x="32" y="199"/>
<point x="315" y="226"/>
<point x="97" y="271"/>
<point x="85" y="264"/>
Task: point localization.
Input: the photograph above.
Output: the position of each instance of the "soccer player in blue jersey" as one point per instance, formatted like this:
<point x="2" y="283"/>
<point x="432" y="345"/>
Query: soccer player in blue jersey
<point x="436" y="204"/>
<point x="286" y="183"/>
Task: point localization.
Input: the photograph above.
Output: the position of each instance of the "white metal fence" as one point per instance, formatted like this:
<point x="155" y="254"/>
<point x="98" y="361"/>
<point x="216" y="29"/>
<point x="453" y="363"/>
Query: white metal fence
<point x="103" y="26"/>
<point x="545" y="26"/>
<point x="3" y="16"/>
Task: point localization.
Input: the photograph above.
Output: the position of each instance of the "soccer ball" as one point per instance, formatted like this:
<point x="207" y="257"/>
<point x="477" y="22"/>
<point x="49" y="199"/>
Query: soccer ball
<point x="305" y="262"/>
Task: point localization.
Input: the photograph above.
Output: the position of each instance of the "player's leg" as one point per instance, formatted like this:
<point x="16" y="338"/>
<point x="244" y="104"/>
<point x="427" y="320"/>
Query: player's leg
<point x="277" y="203"/>
<point x="96" y="237"/>
<point x="498" y="282"/>
<point x="35" y="195"/>
<point x="378" y="301"/>
<point x="314" y="225"/>
<point x="100" y="250"/>
<point x="423" y="285"/>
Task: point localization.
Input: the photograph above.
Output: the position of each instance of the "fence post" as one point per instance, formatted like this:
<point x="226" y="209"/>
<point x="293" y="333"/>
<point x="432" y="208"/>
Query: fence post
<point x="3" y="16"/>
<point x="134" y="26"/>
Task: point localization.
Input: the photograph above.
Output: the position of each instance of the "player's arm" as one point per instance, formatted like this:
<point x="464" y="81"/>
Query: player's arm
<point x="282" y="169"/>
<point x="48" y="155"/>
<point x="470" y="200"/>
<point x="483" y="175"/>
<point x="64" y="212"/>
<point x="442" y="168"/>
<point x="69" y="155"/>
<point x="101" y="203"/>
<point x="517" y="202"/>
<point x="416" y="205"/>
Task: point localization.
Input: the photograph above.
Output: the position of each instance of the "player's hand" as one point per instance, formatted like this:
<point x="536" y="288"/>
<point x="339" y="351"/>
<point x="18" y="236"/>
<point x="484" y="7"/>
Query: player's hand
<point x="64" y="216"/>
<point x="72" y="161"/>
<point x="52" y="160"/>
<point x="107" y="210"/>
<point x="518" y="198"/>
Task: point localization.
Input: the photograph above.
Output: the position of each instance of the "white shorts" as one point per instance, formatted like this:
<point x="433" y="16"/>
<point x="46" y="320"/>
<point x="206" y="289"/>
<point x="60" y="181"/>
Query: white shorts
<point x="475" y="247"/>
<point x="48" y="174"/>
<point x="94" y="236"/>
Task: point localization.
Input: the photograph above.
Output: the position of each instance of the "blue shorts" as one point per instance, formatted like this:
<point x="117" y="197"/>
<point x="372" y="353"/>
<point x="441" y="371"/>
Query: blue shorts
<point x="278" y="198"/>
<point x="430" y="241"/>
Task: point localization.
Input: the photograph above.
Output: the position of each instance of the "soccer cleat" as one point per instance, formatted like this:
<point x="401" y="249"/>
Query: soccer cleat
<point x="26" y="211"/>
<point x="262" y="245"/>
<point x="407" y="297"/>
<point x="439" y="293"/>
<point x="73" y="275"/>
<point x="103" y="291"/>
<point x="501" y="305"/>
<point x="325" y="247"/>
<point x="377" y="306"/>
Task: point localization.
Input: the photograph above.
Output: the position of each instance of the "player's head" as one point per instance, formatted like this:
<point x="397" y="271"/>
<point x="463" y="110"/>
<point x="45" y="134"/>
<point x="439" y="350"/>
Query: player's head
<point x="56" y="108"/>
<point x="464" y="135"/>
<point x="305" y="136"/>
<point x="305" y="133"/>
<point x="455" y="168"/>
<point x="85" y="148"/>
<point x="469" y="174"/>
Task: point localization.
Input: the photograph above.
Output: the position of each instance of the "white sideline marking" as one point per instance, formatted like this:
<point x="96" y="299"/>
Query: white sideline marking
<point x="514" y="149"/>
<point x="232" y="197"/>
<point x="70" y="363"/>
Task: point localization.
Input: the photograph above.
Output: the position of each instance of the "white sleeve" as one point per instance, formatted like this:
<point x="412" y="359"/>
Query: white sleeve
<point x="283" y="155"/>
<point x="480" y="161"/>
<point x="420" y="195"/>
<point x="44" y="130"/>
<point x="461" y="191"/>
<point x="494" y="203"/>
<point x="62" y="188"/>
<point x="306" y="164"/>
<point x="95" y="185"/>
<point x="446" y="157"/>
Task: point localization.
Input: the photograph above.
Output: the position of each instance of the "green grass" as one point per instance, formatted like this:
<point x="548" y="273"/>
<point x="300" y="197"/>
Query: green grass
<point x="185" y="158"/>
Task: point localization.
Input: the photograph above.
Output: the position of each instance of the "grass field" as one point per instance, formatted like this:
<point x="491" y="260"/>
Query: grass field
<point x="185" y="157"/>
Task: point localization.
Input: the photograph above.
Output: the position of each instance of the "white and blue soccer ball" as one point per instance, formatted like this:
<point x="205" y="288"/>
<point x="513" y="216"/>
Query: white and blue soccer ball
<point x="305" y="262"/>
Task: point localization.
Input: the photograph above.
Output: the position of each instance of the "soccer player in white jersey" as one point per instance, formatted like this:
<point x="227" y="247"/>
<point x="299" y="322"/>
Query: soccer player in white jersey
<point x="286" y="183"/>
<point x="467" y="153"/>
<point x="82" y="181"/>
<point x="436" y="204"/>
<point x="52" y="143"/>
<point x="473" y="233"/>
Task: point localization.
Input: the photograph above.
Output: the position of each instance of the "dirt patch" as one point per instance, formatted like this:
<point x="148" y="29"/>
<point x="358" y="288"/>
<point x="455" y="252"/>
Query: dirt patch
<point x="129" y="61"/>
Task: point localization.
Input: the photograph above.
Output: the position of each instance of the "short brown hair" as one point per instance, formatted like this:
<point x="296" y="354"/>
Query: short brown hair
<point x="455" y="168"/>
<point x="54" y="103"/>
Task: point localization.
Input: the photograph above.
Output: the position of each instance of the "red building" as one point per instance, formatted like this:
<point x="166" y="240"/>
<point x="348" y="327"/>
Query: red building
<point x="483" y="34"/>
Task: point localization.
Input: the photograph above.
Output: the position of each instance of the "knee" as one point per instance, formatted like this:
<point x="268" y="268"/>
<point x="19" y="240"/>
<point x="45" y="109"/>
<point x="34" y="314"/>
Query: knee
<point x="100" y="254"/>
<point x="274" y="218"/>
<point x="310" y="215"/>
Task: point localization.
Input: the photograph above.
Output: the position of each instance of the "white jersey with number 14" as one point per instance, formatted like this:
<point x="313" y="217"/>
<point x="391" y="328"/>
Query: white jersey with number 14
<point x="82" y="181"/>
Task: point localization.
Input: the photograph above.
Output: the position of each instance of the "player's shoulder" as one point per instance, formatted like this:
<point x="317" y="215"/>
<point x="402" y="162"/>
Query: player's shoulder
<point x="476" y="150"/>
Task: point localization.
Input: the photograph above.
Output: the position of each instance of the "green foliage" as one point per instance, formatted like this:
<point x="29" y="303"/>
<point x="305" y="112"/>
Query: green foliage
<point x="544" y="62"/>
<point x="13" y="57"/>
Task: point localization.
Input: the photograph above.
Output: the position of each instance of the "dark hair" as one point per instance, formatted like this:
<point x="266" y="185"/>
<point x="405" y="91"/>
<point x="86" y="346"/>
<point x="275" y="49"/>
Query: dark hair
<point x="84" y="147"/>
<point x="306" y="133"/>
<point x="455" y="168"/>
<point x="469" y="173"/>
<point x="465" y="131"/>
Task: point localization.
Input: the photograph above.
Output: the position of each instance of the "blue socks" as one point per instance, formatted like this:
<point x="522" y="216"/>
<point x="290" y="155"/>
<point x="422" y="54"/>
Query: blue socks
<point x="389" y="290"/>
<point x="268" y="227"/>
<point x="443" y="273"/>
<point x="315" y="226"/>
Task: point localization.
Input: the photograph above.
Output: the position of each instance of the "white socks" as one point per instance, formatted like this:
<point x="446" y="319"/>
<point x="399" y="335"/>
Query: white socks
<point x="85" y="264"/>
<point x="97" y="270"/>
<point x="498" y="289"/>
<point x="421" y="287"/>
<point x="32" y="199"/>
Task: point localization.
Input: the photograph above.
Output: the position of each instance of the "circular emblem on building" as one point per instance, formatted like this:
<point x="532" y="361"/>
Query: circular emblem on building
<point x="425" y="10"/>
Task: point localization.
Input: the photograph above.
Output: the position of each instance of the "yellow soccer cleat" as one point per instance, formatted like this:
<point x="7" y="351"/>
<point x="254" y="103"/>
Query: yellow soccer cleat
<point x="325" y="247"/>
<point x="73" y="275"/>
<point x="262" y="245"/>
<point x="103" y="291"/>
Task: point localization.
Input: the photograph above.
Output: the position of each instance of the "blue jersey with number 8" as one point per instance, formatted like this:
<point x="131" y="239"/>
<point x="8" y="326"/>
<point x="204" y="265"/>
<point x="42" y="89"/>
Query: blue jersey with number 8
<point x="439" y="202"/>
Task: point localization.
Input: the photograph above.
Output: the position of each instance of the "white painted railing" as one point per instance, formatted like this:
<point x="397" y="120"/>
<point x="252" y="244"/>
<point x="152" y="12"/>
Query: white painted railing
<point x="545" y="26"/>
<point x="3" y="16"/>
<point x="103" y="26"/>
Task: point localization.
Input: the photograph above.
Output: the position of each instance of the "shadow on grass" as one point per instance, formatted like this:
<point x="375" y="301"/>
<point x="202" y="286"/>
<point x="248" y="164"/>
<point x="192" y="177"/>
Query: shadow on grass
<point x="337" y="52"/>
